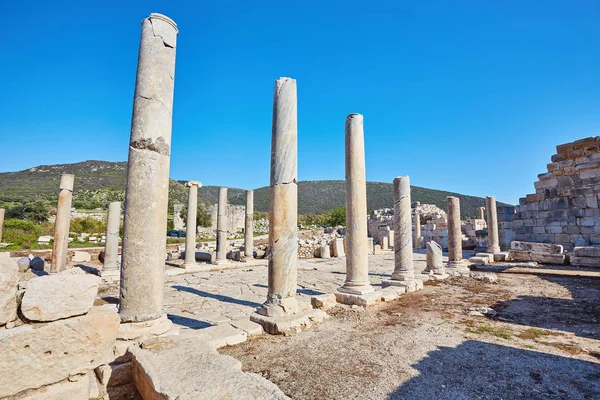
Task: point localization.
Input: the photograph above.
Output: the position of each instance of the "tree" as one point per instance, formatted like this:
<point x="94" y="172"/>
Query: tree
<point x="337" y="217"/>
<point x="203" y="218"/>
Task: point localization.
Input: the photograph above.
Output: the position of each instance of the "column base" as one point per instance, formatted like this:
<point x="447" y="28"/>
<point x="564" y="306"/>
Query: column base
<point x="276" y="308"/>
<point x="410" y="286"/>
<point x="356" y="289"/>
<point x="222" y="261"/>
<point x="493" y="250"/>
<point x="456" y="268"/>
<point x="289" y="324"/>
<point x="404" y="276"/>
<point x="136" y="330"/>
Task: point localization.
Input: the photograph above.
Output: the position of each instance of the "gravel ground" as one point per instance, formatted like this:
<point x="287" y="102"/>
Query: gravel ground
<point x="542" y="343"/>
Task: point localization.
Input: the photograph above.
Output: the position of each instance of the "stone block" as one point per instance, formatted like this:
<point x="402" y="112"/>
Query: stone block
<point x="589" y="173"/>
<point x="54" y="297"/>
<point x="185" y="369"/>
<point x="586" y="221"/>
<point x="323" y="301"/>
<point x="289" y="325"/>
<point x="563" y="149"/>
<point x="221" y="335"/>
<point x="77" y="387"/>
<point x="544" y="258"/>
<point x="9" y="279"/>
<point x="363" y="300"/>
<point x="537" y="247"/>
<point x="391" y="293"/>
<point x="252" y="329"/>
<point x="581" y="143"/>
<point x="553" y="229"/>
<point x="81" y="256"/>
<point x="38" y="355"/>
<point x="586" y="252"/>
<point x="591" y="262"/>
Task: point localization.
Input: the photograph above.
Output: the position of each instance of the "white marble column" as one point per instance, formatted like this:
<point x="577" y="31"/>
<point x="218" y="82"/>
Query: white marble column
<point x="283" y="210"/>
<point x="111" y="246"/>
<point x="62" y="224"/>
<point x="147" y="192"/>
<point x="357" y="253"/>
<point x="191" y="227"/>
<point x="492" y="225"/>
<point x="249" y="225"/>
<point x="403" y="242"/>
<point x="221" y="256"/>
<point x="455" y="260"/>
<point x="417" y="235"/>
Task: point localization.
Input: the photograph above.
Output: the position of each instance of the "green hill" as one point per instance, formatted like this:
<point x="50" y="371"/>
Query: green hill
<point x="99" y="182"/>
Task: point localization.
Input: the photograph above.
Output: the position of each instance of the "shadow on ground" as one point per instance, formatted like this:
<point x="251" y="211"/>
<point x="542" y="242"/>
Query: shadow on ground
<point x="503" y="373"/>
<point x="188" y="322"/>
<point x="219" y="297"/>
<point x="579" y="315"/>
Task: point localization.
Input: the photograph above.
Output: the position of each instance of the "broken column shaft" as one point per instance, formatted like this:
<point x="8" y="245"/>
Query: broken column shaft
<point x="221" y="256"/>
<point x="111" y="246"/>
<point x="191" y="225"/>
<point x="492" y="225"/>
<point x="249" y="225"/>
<point x="283" y="209"/>
<point x="62" y="224"/>
<point x="455" y="260"/>
<point x="403" y="242"/>
<point x="357" y="253"/>
<point x="147" y="192"/>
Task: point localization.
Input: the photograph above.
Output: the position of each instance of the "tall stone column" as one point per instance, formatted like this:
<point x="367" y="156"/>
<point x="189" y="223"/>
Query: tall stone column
<point x="221" y="256"/>
<point x="403" y="242"/>
<point x="283" y="209"/>
<point x="62" y="224"/>
<point x="249" y="225"/>
<point x="191" y="227"/>
<point x="482" y="212"/>
<point x="147" y="192"/>
<point x="1" y="222"/>
<point x="111" y="247"/>
<point x="492" y="225"/>
<point x="455" y="261"/>
<point x="357" y="252"/>
<point x="417" y="234"/>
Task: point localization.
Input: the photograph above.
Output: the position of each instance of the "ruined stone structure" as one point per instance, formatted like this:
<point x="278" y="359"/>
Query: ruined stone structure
<point x="147" y="192"/>
<point x="178" y="223"/>
<point x="357" y="256"/>
<point x="235" y="221"/>
<point x="564" y="208"/>
<point x="62" y="224"/>
<point x="192" y="216"/>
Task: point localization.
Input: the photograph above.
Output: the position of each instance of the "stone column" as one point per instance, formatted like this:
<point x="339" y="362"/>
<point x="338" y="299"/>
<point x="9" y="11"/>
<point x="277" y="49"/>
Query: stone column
<point x="403" y="242"/>
<point x="492" y="225"/>
<point x="357" y="253"/>
<point x="283" y="209"/>
<point x="249" y="226"/>
<point x="222" y="227"/>
<point x="111" y="247"/>
<point x="434" y="261"/>
<point x="455" y="261"/>
<point x="1" y="223"/>
<point x="147" y="191"/>
<point x="62" y="224"/>
<point x="191" y="227"/>
<point x="482" y="213"/>
<point x="417" y="234"/>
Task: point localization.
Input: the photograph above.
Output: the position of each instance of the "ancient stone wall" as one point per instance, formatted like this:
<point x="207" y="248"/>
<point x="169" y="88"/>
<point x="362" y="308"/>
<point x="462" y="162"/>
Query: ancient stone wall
<point x="564" y="208"/>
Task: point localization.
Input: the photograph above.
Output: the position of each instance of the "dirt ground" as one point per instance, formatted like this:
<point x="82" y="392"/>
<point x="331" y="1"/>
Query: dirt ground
<point x="544" y="342"/>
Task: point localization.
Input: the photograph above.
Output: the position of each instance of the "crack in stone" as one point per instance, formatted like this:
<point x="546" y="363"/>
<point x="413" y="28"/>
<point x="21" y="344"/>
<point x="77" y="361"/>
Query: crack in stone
<point x="294" y="181"/>
<point x="161" y="38"/>
<point x="160" y="146"/>
<point x="154" y="99"/>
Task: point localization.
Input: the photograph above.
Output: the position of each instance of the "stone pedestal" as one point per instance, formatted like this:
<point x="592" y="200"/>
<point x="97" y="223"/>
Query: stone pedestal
<point x="357" y="253"/>
<point x="385" y="243"/>
<point x="435" y="264"/>
<point x="404" y="270"/>
<point x="111" y="247"/>
<point x="221" y="257"/>
<point x="191" y="226"/>
<point x="147" y="192"/>
<point x="482" y="212"/>
<point x="492" y="225"/>
<point x="62" y="224"/>
<point x="249" y="225"/>
<point x="417" y="233"/>
<point x="283" y="210"/>
<point x="1" y="223"/>
<point x="456" y="265"/>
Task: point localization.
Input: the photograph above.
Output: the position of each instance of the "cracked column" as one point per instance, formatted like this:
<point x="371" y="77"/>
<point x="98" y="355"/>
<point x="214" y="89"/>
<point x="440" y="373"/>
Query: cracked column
<point x="357" y="253"/>
<point x="404" y="270"/>
<point x="455" y="260"/>
<point x="417" y="234"/>
<point x="147" y="192"/>
<point x="249" y="226"/>
<point x="221" y="256"/>
<point x="283" y="209"/>
<point x="1" y="222"/>
<point x="492" y="225"/>
<point x="191" y="227"/>
<point x="482" y="212"/>
<point x="111" y="247"/>
<point x="62" y="224"/>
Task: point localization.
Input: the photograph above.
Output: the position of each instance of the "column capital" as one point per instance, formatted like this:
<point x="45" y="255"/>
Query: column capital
<point x="194" y="183"/>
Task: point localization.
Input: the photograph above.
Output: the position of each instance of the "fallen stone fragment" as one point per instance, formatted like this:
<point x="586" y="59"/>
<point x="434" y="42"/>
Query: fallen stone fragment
<point x="171" y="371"/>
<point x="81" y="256"/>
<point x="323" y="301"/>
<point x="482" y="312"/>
<point x="34" y="356"/>
<point x="53" y="297"/>
<point x="488" y="277"/>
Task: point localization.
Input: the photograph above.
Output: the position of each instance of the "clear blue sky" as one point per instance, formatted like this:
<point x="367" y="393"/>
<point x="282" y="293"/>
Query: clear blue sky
<point x="465" y="96"/>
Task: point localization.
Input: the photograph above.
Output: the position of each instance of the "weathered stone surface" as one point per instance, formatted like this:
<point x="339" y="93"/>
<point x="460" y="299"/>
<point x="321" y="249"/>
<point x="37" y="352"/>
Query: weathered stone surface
<point x="579" y="261"/>
<point x="62" y="223"/>
<point x="545" y="258"/>
<point x="537" y="247"/>
<point x="221" y="253"/>
<point x="492" y="225"/>
<point x="184" y="369"/>
<point x="323" y="301"/>
<point x="434" y="259"/>
<point x="191" y="225"/>
<point x="9" y="278"/>
<point x="249" y="225"/>
<point x="488" y="277"/>
<point x="404" y="269"/>
<point x="111" y="246"/>
<point x="587" y="251"/>
<point x="34" y="356"/>
<point x="74" y="389"/>
<point x="81" y="256"/>
<point x="53" y="297"/>
<point x="252" y="329"/>
<point x="289" y="324"/>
